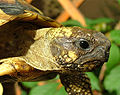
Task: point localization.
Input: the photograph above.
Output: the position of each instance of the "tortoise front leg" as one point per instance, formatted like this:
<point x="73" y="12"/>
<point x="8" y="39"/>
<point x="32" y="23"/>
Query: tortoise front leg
<point x="16" y="69"/>
<point x="76" y="84"/>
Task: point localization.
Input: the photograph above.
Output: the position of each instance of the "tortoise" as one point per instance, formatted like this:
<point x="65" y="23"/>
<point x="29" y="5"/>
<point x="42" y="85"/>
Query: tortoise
<point x="34" y="47"/>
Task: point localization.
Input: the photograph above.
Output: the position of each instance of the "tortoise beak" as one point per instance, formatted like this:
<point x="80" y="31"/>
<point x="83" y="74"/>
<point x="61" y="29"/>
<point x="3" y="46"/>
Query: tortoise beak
<point x="104" y="43"/>
<point x="94" y="59"/>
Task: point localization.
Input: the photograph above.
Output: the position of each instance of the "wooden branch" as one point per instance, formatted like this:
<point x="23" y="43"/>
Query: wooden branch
<point x="64" y="15"/>
<point x="18" y="89"/>
<point x="29" y="1"/>
<point x="72" y="11"/>
<point x="102" y="72"/>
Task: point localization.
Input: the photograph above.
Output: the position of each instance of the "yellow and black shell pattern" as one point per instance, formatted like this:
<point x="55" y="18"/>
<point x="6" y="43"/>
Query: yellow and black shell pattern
<point x="19" y="10"/>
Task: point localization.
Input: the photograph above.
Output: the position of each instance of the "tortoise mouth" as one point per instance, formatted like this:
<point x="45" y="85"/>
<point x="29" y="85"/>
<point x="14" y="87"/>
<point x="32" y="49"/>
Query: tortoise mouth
<point x="92" y="60"/>
<point x="85" y="66"/>
<point x="90" y="65"/>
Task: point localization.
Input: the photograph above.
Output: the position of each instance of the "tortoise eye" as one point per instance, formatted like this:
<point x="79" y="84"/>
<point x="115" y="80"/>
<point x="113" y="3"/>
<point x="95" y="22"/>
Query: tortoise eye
<point x="83" y="44"/>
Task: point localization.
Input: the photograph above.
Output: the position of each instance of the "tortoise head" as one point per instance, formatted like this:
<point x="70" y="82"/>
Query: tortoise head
<point x="79" y="49"/>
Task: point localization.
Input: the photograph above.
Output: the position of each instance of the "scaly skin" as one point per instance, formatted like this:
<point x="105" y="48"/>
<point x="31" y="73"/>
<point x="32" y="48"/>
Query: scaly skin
<point x="58" y="51"/>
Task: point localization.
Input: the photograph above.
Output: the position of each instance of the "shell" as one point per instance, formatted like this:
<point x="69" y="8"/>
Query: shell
<point x="19" y="10"/>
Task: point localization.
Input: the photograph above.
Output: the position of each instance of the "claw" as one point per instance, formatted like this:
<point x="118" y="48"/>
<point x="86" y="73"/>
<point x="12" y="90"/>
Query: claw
<point x="17" y="69"/>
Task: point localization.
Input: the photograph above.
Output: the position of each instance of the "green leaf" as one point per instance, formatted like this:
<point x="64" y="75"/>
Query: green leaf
<point x="29" y="84"/>
<point x="112" y="81"/>
<point x="48" y="89"/>
<point x="114" y="57"/>
<point x="94" y="81"/>
<point x="103" y="27"/>
<point x="115" y="36"/>
<point x="23" y="92"/>
<point x="61" y="92"/>
<point x="98" y="21"/>
<point x="71" y="23"/>
<point x="119" y="1"/>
